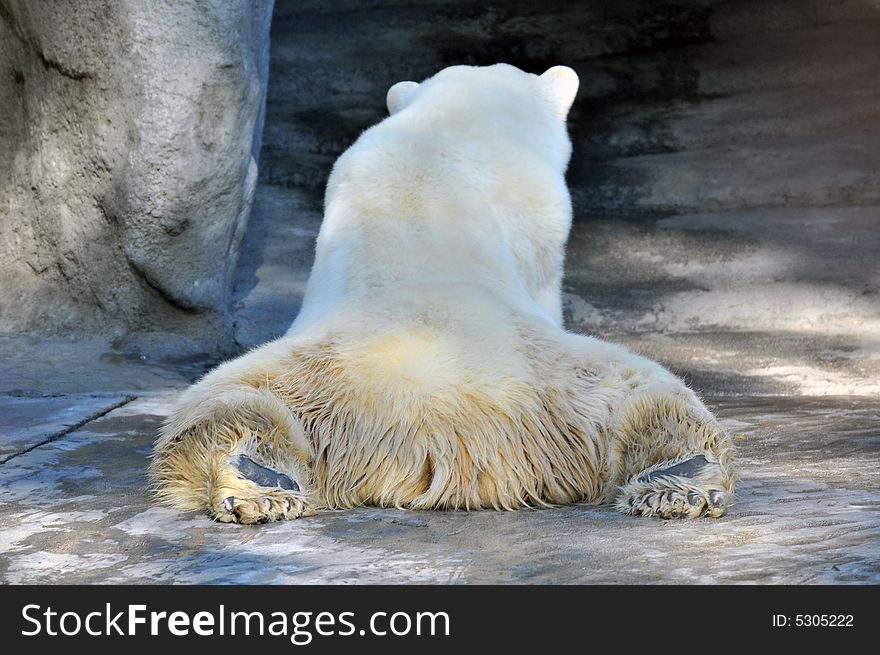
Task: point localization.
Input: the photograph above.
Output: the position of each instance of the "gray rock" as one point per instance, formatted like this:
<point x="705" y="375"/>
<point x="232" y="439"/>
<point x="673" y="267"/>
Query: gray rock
<point x="129" y="136"/>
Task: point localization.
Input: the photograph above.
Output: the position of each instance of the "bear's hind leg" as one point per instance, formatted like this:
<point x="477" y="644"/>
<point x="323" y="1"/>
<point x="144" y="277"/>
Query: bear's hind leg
<point x="687" y="486"/>
<point x="241" y="456"/>
<point x="675" y="461"/>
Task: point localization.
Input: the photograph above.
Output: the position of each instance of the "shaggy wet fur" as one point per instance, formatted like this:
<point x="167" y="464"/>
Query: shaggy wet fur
<point x="579" y="429"/>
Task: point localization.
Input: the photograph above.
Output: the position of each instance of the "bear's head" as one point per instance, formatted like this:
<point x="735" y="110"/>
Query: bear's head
<point x="494" y="101"/>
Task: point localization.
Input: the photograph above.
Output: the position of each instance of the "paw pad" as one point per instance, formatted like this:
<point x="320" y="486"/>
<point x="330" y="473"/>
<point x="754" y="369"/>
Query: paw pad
<point x="263" y="475"/>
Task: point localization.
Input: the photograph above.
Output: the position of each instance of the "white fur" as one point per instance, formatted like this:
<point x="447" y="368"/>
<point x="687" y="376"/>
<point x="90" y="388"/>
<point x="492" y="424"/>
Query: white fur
<point x="428" y="366"/>
<point x="462" y="190"/>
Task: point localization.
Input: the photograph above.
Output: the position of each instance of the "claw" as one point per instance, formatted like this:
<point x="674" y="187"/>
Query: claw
<point x="717" y="498"/>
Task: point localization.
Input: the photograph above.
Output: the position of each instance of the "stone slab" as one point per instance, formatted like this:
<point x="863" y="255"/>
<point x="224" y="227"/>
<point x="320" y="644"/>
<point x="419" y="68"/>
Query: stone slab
<point x="27" y="421"/>
<point x="78" y="510"/>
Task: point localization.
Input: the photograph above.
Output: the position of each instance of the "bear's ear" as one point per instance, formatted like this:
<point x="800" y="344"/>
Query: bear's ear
<point x="559" y="85"/>
<point x="399" y="95"/>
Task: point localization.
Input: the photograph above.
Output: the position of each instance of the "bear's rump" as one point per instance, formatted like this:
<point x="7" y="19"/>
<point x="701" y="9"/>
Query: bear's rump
<point x="395" y="423"/>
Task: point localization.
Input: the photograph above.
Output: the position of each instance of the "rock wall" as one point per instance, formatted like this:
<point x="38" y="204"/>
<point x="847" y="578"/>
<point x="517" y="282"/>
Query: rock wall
<point x="724" y="176"/>
<point x="129" y="138"/>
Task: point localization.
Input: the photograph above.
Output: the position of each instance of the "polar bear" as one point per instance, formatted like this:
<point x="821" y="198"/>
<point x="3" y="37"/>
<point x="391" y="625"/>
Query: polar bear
<point x="428" y="367"/>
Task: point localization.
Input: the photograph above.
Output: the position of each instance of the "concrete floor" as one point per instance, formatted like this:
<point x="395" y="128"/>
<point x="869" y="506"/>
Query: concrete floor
<point x="724" y="181"/>
<point x="74" y="508"/>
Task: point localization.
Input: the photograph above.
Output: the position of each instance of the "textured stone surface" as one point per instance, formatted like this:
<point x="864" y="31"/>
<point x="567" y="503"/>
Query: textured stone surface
<point x="43" y="366"/>
<point x="276" y="259"/>
<point x="723" y="177"/>
<point x="129" y="133"/>
<point x="77" y="510"/>
<point x="29" y="421"/>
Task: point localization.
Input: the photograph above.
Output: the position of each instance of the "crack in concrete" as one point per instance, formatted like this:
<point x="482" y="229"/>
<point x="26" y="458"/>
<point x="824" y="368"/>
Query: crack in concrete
<point x="61" y="433"/>
<point x="30" y="393"/>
